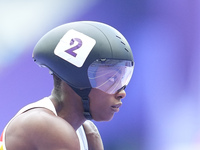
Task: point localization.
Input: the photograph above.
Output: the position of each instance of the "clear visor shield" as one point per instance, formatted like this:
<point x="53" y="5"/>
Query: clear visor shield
<point x="109" y="75"/>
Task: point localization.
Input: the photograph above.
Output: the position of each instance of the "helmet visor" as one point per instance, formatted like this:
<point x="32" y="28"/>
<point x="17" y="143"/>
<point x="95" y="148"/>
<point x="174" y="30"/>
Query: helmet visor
<point x="110" y="75"/>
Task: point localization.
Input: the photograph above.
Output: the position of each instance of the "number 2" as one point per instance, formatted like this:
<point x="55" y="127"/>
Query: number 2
<point x="75" y="47"/>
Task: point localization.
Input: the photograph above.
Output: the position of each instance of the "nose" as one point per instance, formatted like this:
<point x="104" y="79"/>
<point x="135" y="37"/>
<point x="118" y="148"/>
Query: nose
<point x="121" y="94"/>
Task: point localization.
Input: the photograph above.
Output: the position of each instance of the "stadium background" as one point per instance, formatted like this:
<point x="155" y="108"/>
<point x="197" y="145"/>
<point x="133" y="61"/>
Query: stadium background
<point x="162" y="107"/>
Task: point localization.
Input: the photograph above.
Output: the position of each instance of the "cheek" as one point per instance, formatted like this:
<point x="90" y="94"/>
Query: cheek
<point x="101" y="111"/>
<point x="100" y="105"/>
<point x="96" y="105"/>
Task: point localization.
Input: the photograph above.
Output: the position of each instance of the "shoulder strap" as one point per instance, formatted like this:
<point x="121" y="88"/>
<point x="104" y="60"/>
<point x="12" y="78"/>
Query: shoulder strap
<point x="82" y="138"/>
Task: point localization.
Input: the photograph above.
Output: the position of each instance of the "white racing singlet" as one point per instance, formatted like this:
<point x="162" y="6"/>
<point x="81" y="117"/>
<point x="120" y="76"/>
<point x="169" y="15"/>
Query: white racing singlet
<point x="45" y="103"/>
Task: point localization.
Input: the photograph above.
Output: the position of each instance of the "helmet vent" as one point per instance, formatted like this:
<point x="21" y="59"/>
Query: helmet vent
<point x="118" y="36"/>
<point x="126" y="49"/>
<point x="122" y="43"/>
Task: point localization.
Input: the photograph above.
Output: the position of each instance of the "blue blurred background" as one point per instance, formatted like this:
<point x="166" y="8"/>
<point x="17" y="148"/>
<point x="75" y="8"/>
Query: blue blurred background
<point x="162" y="107"/>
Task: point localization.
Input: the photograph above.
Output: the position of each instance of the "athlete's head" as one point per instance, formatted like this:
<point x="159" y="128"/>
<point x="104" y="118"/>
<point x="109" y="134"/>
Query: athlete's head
<point x="87" y="55"/>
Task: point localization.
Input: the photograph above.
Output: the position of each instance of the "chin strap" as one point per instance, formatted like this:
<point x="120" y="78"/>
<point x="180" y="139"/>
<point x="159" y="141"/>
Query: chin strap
<point x="86" y="106"/>
<point x="85" y="100"/>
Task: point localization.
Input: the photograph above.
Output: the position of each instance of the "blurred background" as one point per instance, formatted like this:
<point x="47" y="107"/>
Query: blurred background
<point x="162" y="107"/>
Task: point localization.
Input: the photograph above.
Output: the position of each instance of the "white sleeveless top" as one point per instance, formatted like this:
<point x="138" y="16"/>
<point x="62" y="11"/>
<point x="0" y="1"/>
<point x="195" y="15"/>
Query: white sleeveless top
<point x="46" y="103"/>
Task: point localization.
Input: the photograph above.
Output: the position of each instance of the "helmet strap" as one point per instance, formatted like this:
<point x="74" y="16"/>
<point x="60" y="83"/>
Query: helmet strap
<point x="83" y="93"/>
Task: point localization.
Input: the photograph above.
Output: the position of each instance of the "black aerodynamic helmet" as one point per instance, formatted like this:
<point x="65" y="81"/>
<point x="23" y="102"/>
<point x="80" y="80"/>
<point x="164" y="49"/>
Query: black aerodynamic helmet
<point x="87" y="54"/>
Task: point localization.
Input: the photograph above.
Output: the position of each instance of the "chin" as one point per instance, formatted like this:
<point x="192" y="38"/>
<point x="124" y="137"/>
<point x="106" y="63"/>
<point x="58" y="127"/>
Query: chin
<point x="103" y="118"/>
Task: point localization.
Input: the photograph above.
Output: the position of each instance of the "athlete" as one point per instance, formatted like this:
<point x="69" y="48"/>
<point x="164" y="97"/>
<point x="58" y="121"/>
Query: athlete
<point x="91" y="64"/>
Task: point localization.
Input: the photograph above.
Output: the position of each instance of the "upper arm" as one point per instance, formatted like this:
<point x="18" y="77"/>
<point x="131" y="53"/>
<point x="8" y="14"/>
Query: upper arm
<point x="42" y="131"/>
<point x="93" y="136"/>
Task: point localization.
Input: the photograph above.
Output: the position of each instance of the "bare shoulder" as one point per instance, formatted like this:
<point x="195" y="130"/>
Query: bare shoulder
<point x="90" y="127"/>
<point x="93" y="136"/>
<point x="40" y="129"/>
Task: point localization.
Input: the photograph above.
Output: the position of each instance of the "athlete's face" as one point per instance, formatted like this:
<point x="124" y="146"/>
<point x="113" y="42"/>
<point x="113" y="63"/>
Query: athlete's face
<point x="103" y="106"/>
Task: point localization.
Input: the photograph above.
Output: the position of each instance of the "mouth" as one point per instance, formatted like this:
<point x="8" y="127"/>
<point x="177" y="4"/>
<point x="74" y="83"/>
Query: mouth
<point x="116" y="107"/>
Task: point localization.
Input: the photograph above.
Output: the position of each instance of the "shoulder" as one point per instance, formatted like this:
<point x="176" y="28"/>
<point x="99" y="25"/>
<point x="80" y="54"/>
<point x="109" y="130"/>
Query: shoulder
<point x="89" y="126"/>
<point x="41" y="129"/>
<point x="93" y="136"/>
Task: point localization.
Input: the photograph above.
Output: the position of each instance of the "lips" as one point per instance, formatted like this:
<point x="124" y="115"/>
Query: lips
<point x="115" y="108"/>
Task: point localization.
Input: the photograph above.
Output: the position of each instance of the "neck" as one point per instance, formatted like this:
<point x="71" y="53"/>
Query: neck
<point x="73" y="114"/>
<point x="70" y="108"/>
